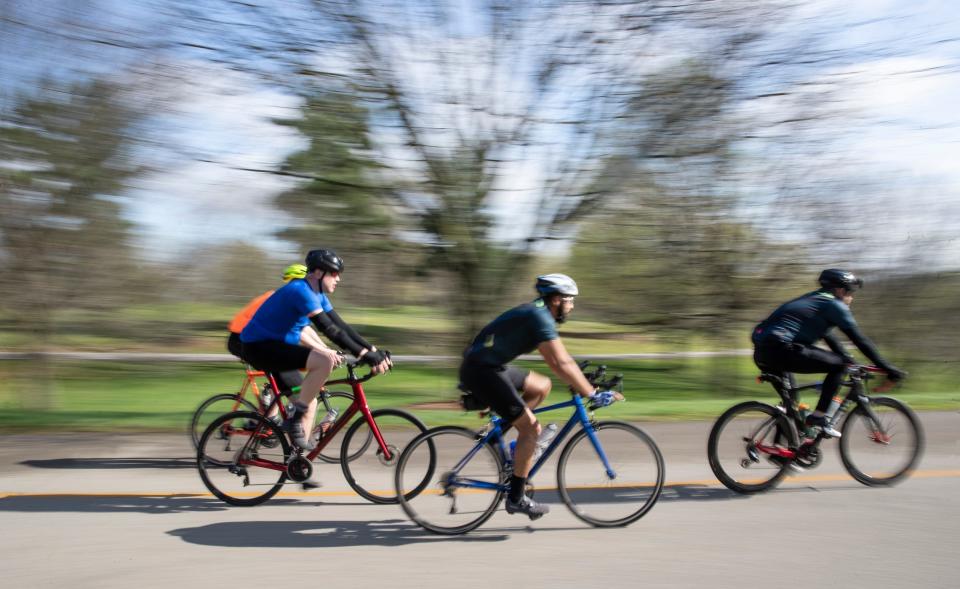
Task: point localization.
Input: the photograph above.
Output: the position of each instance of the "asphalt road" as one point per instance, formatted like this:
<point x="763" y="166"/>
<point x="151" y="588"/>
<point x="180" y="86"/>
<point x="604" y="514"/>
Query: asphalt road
<point x="96" y="510"/>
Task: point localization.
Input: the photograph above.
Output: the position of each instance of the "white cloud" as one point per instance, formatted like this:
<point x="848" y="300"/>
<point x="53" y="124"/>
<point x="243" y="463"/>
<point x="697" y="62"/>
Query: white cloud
<point x="224" y="117"/>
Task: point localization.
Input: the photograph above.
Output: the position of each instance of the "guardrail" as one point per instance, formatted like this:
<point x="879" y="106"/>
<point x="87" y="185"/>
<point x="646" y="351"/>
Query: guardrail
<point x="204" y="358"/>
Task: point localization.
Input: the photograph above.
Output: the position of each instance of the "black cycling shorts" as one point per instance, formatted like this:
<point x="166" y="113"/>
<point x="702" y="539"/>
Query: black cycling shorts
<point x="498" y="386"/>
<point x="286" y="379"/>
<point x="275" y="356"/>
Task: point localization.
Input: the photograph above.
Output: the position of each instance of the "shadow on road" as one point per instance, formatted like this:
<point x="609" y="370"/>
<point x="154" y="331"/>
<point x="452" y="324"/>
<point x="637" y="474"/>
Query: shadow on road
<point x="112" y="463"/>
<point x="319" y="534"/>
<point x="156" y="504"/>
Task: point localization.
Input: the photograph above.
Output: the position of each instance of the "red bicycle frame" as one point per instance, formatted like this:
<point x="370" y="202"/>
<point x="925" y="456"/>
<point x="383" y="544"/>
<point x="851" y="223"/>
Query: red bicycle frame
<point x="359" y="405"/>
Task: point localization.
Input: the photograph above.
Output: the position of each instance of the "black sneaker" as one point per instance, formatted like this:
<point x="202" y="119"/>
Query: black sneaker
<point x="526" y="505"/>
<point x="783" y="461"/>
<point x="298" y="436"/>
<point x="821" y="422"/>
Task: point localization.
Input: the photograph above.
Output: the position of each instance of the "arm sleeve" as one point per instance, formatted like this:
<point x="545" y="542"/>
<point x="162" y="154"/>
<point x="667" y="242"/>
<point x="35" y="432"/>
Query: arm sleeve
<point x="834" y="344"/>
<point x="336" y="335"/>
<point x="845" y="322"/>
<point x="347" y="329"/>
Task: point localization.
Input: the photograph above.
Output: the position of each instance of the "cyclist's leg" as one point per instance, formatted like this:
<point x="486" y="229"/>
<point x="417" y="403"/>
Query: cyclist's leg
<point x="319" y="366"/>
<point x="809" y="359"/>
<point x="534" y="386"/>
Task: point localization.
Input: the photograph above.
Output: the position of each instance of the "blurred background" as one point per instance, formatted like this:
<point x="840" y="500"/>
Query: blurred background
<point x="691" y="165"/>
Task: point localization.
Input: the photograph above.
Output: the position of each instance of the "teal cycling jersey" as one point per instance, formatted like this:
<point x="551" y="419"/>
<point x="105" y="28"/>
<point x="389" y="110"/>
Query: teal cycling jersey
<point x="806" y="320"/>
<point x="517" y="331"/>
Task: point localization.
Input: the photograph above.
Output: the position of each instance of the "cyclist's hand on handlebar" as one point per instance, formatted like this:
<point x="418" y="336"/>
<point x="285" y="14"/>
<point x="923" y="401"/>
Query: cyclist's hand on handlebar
<point x="378" y="360"/>
<point x="894" y="374"/>
<point x="604" y="398"/>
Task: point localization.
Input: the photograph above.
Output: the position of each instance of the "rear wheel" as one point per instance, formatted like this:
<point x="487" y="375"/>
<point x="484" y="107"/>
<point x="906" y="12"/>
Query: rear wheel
<point x="367" y="468"/>
<point x="242" y="458"/>
<point x="741" y="444"/>
<point x="463" y="480"/>
<point x="883" y="448"/>
<point x="213" y="408"/>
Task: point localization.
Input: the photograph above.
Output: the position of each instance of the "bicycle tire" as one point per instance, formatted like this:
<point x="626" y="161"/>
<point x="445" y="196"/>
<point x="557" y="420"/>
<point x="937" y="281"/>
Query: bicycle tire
<point x="222" y="475"/>
<point x="597" y="498"/>
<point x="852" y="435"/>
<point x="726" y="474"/>
<point x="397" y="427"/>
<point x="434" y="508"/>
<point x="331" y="453"/>
<point x="199" y="420"/>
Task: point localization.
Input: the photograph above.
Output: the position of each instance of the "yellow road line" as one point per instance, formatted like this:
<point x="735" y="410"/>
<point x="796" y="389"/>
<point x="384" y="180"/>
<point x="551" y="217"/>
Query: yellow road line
<point x="920" y="474"/>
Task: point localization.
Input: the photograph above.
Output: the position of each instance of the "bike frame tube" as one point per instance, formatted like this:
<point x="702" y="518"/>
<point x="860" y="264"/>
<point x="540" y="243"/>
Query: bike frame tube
<point x="359" y="405"/>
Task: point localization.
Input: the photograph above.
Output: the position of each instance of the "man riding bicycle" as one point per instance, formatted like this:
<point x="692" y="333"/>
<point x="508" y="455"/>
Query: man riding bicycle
<point x="784" y="341"/>
<point x="287" y="379"/>
<point x="273" y="339"/>
<point x="512" y="392"/>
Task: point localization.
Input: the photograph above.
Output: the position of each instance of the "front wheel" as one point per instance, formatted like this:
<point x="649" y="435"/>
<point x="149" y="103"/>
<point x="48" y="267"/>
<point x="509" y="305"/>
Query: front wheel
<point x="213" y="408"/>
<point x="883" y="445"/>
<point x="743" y="444"/>
<point x="242" y="458"/>
<point x="614" y="496"/>
<point x="463" y="478"/>
<point x="367" y="468"/>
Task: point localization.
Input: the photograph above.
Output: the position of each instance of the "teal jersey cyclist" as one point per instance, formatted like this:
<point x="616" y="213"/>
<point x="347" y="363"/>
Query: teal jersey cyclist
<point x="511" y="391"/>
<point x="785" y="341"/>
<point x="275" y="339"/>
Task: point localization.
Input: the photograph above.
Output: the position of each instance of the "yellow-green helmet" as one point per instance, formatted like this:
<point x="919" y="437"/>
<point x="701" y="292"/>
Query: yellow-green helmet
<point x="294" y="271"/>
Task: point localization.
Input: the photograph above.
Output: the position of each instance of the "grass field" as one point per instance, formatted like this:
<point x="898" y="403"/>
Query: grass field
<point x="142" y="396"/>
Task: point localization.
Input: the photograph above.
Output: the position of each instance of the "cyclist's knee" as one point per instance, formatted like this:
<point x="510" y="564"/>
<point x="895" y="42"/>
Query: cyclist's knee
<point x="537" y="384"/>
<point x="527" y="424"/>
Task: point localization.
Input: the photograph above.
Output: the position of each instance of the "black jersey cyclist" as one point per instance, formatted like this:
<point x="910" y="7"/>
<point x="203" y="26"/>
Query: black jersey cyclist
<point x="784" y="342"/>
<point x="512" y="392"/>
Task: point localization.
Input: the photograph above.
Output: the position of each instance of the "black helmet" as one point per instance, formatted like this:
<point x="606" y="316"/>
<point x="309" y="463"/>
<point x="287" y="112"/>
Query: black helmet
<point x="324" y="259"/>
<point x="836" y="278"/>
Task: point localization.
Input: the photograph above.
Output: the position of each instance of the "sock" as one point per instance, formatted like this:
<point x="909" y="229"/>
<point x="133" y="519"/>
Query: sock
<point x="517" y="485"/>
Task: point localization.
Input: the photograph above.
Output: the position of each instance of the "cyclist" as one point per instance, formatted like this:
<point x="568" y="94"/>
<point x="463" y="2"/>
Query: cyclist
<point x="784" y="341"/>
<point x="288" y="378"/>
<point x="272" y="340"/>
<point x="512" y="392"/>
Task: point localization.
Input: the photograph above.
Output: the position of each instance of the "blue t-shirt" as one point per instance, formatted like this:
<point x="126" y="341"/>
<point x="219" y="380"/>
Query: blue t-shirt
<point x="284" y="315"/>
<point x="516" y="332"/>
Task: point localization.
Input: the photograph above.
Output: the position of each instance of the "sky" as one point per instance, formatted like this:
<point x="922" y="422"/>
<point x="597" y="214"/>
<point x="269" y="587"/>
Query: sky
<point x="908" y="105"/>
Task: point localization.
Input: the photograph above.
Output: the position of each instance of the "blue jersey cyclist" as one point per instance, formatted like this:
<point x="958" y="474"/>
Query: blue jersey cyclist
<point x="784" y="342"/>
<point x="275" y="339"/>
<point x="512" y="392"/>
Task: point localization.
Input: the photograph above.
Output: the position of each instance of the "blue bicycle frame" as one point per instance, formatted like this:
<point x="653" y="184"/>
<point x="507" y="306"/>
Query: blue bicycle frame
<point x="495" y="436"/>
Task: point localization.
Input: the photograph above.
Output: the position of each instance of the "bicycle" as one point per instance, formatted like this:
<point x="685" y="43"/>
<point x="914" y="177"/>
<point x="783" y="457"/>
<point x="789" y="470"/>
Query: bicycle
<point x="880" y="444"/>
<point x="610" y="473"/>
<point x="263" y="459"/>
<point x="221" y="404"/>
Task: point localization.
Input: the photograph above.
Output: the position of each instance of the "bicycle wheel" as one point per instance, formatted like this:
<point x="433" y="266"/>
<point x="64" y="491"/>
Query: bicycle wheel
<point x="213" y="408"/>
<point x="732" y="448"/>
<point x="367" y="469"/>
<point x="339" y="400"/>
<point x="457" y="499"/>
<point x="603" y="499"/>
<point x="242" y="458"/>
<point x="885" y="451"/>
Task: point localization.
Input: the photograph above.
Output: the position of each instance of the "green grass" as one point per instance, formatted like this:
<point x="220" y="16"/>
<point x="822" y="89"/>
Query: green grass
<point x="161" y="397"/>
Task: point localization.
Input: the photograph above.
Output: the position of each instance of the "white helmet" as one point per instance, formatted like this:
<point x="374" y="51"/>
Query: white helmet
<point x="561" y="284"/>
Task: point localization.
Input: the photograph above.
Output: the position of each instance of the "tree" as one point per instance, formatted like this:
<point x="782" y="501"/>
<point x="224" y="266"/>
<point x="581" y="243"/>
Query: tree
<point x="63" y="241"/>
